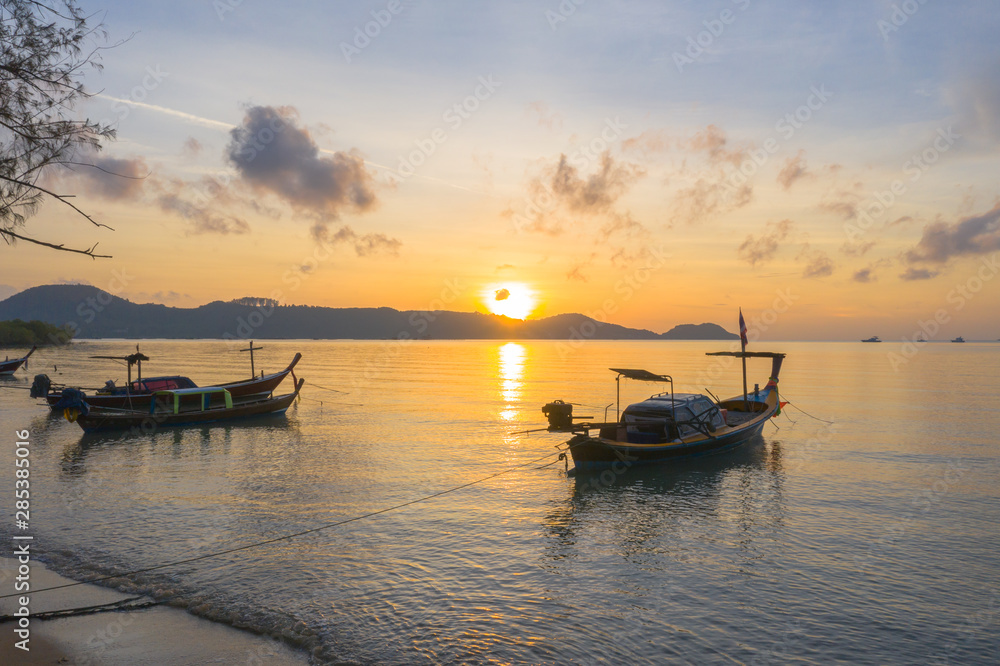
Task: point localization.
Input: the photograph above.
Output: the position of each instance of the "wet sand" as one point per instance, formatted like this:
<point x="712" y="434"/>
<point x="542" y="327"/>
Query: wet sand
<point x="157" y="635"/>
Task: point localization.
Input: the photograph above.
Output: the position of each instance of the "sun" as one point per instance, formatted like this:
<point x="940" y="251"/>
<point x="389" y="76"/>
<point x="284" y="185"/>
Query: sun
<point x="510" y="299"/>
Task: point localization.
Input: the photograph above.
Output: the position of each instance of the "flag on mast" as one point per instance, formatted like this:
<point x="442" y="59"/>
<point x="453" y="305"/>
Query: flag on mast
<point x="743" y="330"/>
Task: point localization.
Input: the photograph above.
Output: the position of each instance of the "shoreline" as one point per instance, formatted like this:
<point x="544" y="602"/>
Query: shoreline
<point x="159" y="634"/>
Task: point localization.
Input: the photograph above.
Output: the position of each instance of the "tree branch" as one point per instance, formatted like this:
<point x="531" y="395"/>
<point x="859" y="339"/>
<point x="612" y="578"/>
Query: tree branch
<point x="58" y="197"/>
<point x="89" y="253"/>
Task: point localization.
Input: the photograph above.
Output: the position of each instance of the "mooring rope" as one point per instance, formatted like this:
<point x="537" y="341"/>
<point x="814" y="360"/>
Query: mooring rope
<point x="285" y="537"/>
<point x="124" y="604"/>
<point x="789" y="402"/>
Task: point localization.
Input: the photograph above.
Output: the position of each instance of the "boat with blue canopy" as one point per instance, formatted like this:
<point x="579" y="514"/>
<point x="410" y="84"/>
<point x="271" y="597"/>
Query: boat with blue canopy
<point x="668" y="425"/>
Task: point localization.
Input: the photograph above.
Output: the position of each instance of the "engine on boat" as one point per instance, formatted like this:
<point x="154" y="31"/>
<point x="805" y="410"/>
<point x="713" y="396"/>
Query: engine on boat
<point x="559" y="414"/>
<point x="40" y="387"/>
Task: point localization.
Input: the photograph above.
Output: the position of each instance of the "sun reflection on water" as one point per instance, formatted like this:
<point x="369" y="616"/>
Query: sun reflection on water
<point x="511" y="368"/>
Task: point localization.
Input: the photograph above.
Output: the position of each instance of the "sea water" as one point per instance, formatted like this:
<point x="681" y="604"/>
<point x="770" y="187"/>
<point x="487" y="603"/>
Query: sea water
<point x="862" y="527"/>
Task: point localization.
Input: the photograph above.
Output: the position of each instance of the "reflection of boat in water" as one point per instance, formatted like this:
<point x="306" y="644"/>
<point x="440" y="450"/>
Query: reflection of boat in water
<point x="9" y="366"/>
<point x="959" y="339"/>
<point x="668" y="425"/>
<point x="874" y="338"/>
<point x="660" y="514"/>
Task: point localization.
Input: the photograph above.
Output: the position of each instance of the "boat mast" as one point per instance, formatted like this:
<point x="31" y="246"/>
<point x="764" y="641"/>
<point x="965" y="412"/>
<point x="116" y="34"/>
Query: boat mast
<point x="743" y="349"/>
<point x="251" y="348"/>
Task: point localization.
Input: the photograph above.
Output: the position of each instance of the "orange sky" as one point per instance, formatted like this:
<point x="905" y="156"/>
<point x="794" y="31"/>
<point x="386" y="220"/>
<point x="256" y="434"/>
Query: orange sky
<point x="440" y="164"/>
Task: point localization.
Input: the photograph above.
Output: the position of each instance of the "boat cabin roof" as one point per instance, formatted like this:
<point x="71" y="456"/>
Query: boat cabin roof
<point x="679" y="398"/>
<point x="641" y="375"/>
<point x="171" y="382"/>
<point x="204" y="392"/>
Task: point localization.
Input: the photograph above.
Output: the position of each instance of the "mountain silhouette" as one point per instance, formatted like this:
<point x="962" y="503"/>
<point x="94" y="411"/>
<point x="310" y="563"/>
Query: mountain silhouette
<point x="89" y="312"/>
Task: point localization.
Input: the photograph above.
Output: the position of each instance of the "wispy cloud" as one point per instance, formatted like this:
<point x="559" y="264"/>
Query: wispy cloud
<point x="974" y="235"/>
<point x="760" y="249"/>
<point x="793" y="170"/>
<point x="545" y="116"/>
<point x="111" y="178"/>
<point x="864" y="275"/>
<point x="595" y="192"/>
<point x="364" y="245"/>
<point x="918" y="274"/>
<point x="818" y="263"/>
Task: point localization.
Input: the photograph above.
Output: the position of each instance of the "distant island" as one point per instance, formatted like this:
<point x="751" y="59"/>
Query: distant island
<point x="87" y="312"/>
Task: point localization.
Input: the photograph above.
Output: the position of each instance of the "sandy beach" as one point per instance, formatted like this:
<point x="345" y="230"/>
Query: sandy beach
<point x="156" y="635"/>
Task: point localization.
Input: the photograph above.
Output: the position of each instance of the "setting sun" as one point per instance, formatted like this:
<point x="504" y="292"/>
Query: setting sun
<point x="510" y="299"/>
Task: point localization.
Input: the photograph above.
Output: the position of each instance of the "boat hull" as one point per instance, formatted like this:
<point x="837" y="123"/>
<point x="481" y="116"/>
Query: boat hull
<point x="9" y="367"/>
<point x="104" y="420"/>
<point x="591" y="453"/>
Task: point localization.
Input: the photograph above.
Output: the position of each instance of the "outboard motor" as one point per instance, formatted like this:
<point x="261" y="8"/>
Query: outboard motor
<point x="73" y="403"/>
<point x="40" y="387"/>
<point x="560" y="415"/>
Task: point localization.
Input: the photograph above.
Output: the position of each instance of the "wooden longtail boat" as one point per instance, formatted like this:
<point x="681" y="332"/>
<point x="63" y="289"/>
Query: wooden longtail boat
<point x="10" y="365"/>
<point x="137" y="394"/>
<point x="668" y="425"/>
<point x="173" y="408"/>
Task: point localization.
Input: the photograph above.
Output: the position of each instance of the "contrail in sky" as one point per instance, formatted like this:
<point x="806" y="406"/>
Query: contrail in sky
<point x="206" y="122"/>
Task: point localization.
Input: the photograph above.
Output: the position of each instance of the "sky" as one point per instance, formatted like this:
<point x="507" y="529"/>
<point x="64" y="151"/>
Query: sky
<point x="831" y="168"/>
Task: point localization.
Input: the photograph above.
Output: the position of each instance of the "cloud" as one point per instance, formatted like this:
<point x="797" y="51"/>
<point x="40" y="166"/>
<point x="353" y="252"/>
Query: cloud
<point x="818" y="264"/>
<point x="856" y="249"/>
<point x="192" y="147"/>
<point x="506" y="267"/>
<point x="545" y="117"/>
<point x="597" y="192"/>
<point x="847" y="210"/>
<point x="707" y="197"/>
<point x="650" y="142"/>
<point x="973" y="235"/>
<point x="364" y="246"/>
<point x="545" y="225"/>
<point x="174" y="196"/>
<point x="843" y="200"/>
<point x="203" y="220"/>
<point x="794" y="169"/>
<point x="918" y="274"/>
<point x="576" y="271"/>
<point x="760" y="250"/>
<point x="170" y="296"/>
<point x="864" y="275"/>
<point x="623" y="223"/>
<point x="273" y="155"/>
<point x="502" y="294"/>
<point x="713" y="141"/>
<point x="111" y="178"/>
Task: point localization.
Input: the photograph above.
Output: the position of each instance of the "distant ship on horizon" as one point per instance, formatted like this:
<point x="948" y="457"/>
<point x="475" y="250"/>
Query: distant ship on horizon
<point x="874" y="338"/>
<point x="959" y="339"/>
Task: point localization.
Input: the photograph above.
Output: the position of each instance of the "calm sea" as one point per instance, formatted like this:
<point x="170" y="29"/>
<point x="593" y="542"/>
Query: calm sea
<point x="871" y="536"/>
